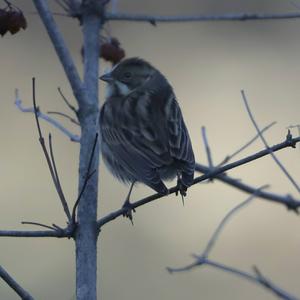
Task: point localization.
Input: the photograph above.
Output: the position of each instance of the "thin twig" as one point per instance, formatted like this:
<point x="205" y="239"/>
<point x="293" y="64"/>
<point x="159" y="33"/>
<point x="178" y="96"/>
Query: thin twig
<point x="298" y="127"/>
<point x="14" y="285"/>
<point x="291" y="204"/>
<point x="48" y="159"/>
<point x="38" y="224"/>
<point x="89" y="174"/>
<point x="229" y="157"/>
<point x="56" y="227"/>
<point x="67" y="102"/>
<point x="218" y="230"/>
<point x="207" y="148"/>
<point x="286" y="200"/>
<point x="61" y="50"/>
<point x="269" y="285"/>
<point x="241" y="274"/>
<point x="199" y="18"/>
<point x="201" y="260"/>
<point x="283" y="169"/>
<point x="58" y="185"/>
<point x="63" y="115"/>
<point x="73" y="137"/>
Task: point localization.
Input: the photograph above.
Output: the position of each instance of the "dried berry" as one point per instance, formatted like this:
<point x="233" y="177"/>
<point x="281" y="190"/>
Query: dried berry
<point x="111" y="51"/>
<point x="3" y="21"/>
<point x="13" y="22"/>
<point x="11" y="19"/>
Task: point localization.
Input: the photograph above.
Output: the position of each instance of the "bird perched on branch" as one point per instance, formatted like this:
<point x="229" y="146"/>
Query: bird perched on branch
<point x="144" y="137"/>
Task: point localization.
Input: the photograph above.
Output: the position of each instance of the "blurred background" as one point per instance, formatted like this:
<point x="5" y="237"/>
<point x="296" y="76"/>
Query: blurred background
<point x="208" y="64"/>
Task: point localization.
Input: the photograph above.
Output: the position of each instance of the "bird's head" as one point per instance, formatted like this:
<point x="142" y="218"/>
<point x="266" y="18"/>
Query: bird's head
<point x="128" y="75"/>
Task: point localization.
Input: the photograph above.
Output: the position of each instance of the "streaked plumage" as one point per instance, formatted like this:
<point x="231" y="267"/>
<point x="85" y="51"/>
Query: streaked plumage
<point x="144" y="137"/>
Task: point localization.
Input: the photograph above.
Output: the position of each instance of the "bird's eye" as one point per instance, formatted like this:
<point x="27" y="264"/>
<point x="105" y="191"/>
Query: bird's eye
<point x="127" y="75"/>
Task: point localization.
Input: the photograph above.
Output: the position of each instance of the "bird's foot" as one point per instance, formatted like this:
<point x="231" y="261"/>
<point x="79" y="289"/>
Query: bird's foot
<point x="164" y="191"/>
<point x="182" y="188"/>
<point x="128" y="210"/>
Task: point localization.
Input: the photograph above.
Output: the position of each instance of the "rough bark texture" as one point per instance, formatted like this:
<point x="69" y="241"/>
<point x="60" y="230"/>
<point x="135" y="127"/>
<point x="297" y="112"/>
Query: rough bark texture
<point x="86" y="235"/>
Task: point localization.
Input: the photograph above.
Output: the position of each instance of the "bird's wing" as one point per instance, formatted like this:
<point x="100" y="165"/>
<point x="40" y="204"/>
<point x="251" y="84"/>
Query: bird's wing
<point x="144" y="122"/>
<point x="163" y="98"/>
<point x="180" y="145"/>
<point x="129" y="144"/>
<point x="179" y="140"/>
<point x="159" y="133"/>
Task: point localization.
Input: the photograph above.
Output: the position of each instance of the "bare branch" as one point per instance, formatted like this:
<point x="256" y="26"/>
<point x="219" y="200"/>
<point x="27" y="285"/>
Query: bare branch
<point x="35" y="233"/>
<point x="207" y="148"/>
<point x="283" y="169"/>
<point x="241" y="274"/>
<point x="288" y="200"/>
<point x="14" y="285"/>
<point x="229" y="157"/>
<point x="298" y="127"/>
<point x="58" y="185"/>
<point x="50" y="159"/>
<point x="63" y="115"/>
<point x="227" y="217"/>
<point x="289" y="142"/>
<point x="38" y="224"/>
<point x="269" y="285"/>
<point x="61" y="50"/>
<point x="215" y="173"/>
<point x="152" y="19"/>
<point x="201" y="260"/>
<point x="56" y="124"/>
<point x="66" y="101"/>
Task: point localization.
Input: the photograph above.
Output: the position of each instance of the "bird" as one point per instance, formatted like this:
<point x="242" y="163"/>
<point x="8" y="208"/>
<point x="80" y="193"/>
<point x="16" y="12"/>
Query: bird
<point x="143" y="134"/>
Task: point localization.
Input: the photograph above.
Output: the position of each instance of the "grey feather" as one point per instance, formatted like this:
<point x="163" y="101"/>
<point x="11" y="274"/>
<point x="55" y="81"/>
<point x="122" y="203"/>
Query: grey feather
<point x="144" y="137"/>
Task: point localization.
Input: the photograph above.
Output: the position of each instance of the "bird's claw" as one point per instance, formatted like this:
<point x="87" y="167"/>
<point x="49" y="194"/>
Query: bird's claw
<point x="128" y="211"/>
<point x="181" y="189"/>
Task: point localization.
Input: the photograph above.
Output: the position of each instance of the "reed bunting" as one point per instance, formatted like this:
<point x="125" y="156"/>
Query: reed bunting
<point x="144" y="137"/>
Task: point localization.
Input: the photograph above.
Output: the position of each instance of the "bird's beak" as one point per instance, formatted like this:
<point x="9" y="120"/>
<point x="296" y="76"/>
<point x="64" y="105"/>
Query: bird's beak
<point x="106" y="77"/>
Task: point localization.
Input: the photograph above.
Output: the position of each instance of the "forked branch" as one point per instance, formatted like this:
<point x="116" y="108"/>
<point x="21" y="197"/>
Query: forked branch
<point x="257" y="277"/>
<point x="50" y="158"/>
<point x="289" y="202"/>
<point x="277" y="161"/>
<point x="73" y="137"/>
